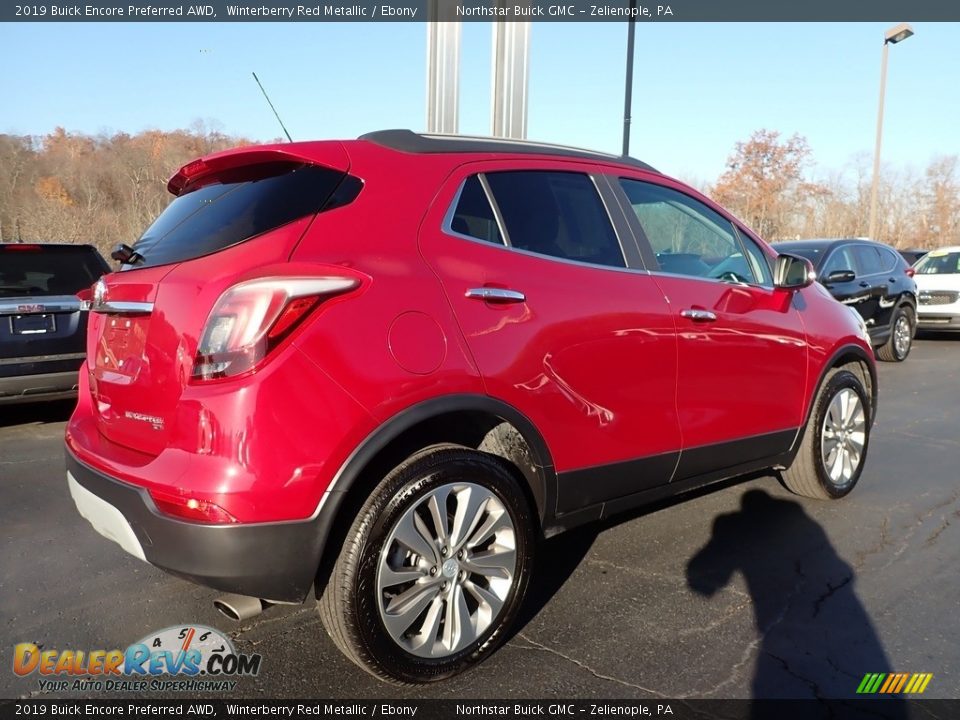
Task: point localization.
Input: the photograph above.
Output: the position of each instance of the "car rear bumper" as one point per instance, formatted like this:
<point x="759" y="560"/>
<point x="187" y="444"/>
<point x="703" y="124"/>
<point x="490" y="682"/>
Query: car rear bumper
<point x="44" y="386"/>
<point x="275" y="561"/>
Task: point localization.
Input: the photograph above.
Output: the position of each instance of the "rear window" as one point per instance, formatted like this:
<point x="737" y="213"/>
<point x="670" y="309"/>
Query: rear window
<point x="31" y="270"/>
<point x="244" y="204"/>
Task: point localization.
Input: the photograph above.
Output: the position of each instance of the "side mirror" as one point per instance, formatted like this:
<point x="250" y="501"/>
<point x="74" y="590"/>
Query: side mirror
<point x="125" y="254"/>
<point x="792" y="272"/>
<point x="840" y="276"/>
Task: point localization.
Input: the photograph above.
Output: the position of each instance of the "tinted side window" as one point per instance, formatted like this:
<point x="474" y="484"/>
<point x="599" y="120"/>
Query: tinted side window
<point x="868" y="259"/>
<point x="245" y="203"/>
<point x="840" y="259"/>
<point x="473" y="216"/>
<point x="558" y="214"/>
<point x="687" y="236"/>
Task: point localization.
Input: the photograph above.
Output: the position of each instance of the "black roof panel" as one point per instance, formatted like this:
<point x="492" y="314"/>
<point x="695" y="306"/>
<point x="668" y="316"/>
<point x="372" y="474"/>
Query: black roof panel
<point x="411" y="142"/>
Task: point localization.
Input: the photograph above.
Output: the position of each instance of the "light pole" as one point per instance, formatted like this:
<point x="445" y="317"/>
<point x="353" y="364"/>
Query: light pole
<point x="891" y="37"/>
<point x="628" y="84"/>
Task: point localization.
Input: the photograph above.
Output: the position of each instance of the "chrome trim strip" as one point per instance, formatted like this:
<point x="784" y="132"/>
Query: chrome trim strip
<point x="496" y="209"/>
<point x="42" y="358"/>
<point x="47" y="304"/>
<point x="121" y="307"/>
<point x="448" y="230"/>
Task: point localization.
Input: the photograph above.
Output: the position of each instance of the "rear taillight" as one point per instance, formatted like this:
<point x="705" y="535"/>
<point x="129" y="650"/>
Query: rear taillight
<point x="910" y="272"/>
<point x="188" y="508"/>
<point x="252" y="318"/>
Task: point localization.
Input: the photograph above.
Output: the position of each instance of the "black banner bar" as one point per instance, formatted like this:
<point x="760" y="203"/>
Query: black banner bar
<point x="483" y="11"/>
<point x="891" y="708"/>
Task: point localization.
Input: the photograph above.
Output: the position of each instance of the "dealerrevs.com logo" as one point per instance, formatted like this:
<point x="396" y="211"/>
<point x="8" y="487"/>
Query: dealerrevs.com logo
<point x="180" y="658"/>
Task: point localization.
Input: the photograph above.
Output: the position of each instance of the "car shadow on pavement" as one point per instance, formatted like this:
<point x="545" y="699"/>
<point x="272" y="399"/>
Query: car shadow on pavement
<point x="815" y="638"/>
<point x="559" y="556"/>
<point x="39" y="412"/>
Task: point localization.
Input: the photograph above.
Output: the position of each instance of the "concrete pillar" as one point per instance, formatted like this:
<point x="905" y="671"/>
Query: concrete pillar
<point x="443" y="68"/>
<point x="510" y="74"/>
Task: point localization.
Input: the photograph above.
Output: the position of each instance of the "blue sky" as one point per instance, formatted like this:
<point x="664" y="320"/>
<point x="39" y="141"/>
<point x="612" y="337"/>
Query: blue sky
<point x="698" y="88"/>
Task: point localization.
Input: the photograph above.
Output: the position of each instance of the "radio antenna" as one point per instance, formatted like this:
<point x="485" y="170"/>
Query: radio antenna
<point x="276" y="114"/>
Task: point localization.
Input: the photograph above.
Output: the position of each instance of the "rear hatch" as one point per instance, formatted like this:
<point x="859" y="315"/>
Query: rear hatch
<point x="235" y="213"/>
<point x="42" y="328"/>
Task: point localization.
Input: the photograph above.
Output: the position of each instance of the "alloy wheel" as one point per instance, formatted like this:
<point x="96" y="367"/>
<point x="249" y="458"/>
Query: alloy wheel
<point x="446" y="570"/>
<point x="843" y="436"/>
<point x="901" y="336"/>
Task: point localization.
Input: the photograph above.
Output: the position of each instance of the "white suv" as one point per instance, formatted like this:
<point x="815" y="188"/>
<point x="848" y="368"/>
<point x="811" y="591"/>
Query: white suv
<point x="938" y="285"/>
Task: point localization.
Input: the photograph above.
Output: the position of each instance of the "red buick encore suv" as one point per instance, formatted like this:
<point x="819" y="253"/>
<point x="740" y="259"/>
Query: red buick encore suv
<point x="382" y="370"/>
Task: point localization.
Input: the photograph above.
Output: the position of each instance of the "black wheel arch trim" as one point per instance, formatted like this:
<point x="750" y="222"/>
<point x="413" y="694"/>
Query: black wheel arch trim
<point x="541" y="481"/>
<point x="848" y="350"/>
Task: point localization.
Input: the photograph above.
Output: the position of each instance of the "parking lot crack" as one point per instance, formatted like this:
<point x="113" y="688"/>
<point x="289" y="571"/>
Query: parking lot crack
<point x="831" y="589"/>
<point x="877" y="547"/>
<point x="944" y="524"/>
<point x="814" y="688"/>
<point x="750" y="649"/>
<point x="645" y="572"/>
<point x="600" y="676"/>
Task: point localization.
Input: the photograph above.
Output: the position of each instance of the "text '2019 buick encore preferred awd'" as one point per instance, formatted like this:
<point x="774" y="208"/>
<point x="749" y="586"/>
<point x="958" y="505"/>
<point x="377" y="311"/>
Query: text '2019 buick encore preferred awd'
<point x="382" y="370"/>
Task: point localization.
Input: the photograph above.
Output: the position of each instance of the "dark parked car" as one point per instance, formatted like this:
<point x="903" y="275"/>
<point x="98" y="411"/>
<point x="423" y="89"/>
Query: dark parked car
<point x="382" y="369"/>
<point x="43" y="329"/>
<point x="874" y="279"/>
<point x="912" y="255"/>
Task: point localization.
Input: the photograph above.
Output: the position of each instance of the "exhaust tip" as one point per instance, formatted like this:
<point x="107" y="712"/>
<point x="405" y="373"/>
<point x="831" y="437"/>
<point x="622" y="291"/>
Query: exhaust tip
<point x="238" y="607"/>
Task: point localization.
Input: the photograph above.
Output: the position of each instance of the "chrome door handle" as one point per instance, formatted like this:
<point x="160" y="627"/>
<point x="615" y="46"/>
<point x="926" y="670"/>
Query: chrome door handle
<point x="496" y="295"/>
<point x="699" y="315"/>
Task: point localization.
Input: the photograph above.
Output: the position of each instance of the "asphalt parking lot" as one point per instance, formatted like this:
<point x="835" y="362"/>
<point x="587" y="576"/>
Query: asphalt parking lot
<point x="743" y="591"/>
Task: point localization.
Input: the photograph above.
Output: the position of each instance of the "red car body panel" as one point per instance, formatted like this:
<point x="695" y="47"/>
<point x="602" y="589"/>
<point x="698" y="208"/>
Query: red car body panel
<point x="588" y="347"/>
<point x="597" y="360"/>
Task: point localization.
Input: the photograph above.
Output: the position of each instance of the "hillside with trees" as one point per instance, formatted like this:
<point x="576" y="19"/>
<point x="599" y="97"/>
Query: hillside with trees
<point x="106" y="189"/>
<point x="103" y="189"/>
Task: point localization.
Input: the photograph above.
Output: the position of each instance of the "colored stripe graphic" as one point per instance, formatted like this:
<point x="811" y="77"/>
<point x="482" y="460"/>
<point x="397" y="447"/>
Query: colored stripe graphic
<point x="894" y="683"/>
<point x="912" y="684"/>
<point x="901" y="682"/>
<point x="891" y="680"/>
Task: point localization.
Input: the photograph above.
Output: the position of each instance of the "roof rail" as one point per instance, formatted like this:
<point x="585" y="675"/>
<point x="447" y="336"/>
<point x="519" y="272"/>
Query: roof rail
<point x="411" y="142"/>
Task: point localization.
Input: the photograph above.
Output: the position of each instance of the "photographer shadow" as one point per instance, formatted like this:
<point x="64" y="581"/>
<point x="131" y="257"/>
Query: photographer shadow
<point x="815" y="638"/>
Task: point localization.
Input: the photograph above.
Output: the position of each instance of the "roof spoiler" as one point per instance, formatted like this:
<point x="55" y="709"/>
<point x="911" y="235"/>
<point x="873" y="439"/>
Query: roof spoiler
<point x="329" y="154"/>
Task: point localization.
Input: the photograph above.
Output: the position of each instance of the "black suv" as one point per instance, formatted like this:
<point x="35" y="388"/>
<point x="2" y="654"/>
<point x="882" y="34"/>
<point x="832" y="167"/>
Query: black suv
<point x="874" y="279"/>
<point x="43" y="327"/>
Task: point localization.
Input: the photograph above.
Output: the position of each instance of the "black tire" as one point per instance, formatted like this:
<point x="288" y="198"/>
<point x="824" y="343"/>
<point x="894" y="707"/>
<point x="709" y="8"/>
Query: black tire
<point x="891" y="350"/>
<point x="350" y="606"/>
<point x="808" y="474"/>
